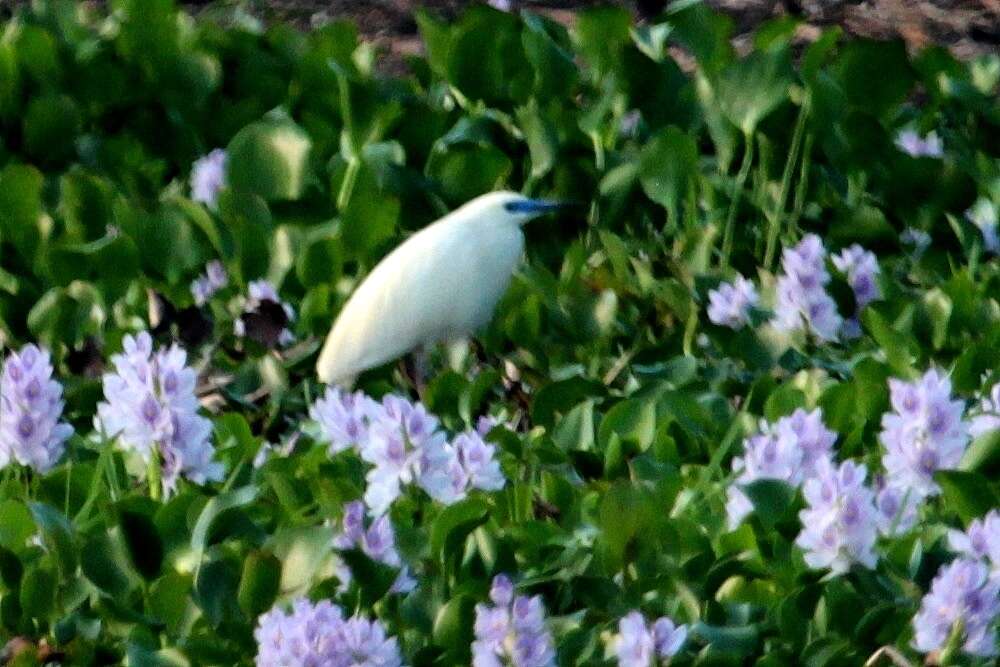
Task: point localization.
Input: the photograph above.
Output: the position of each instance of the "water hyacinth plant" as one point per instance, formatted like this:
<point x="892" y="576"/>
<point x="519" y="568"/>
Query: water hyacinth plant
<point x="739" y="405"/>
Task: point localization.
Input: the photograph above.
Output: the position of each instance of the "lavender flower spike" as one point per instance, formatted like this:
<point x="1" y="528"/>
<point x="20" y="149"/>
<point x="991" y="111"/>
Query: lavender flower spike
<point x="642" y="645"/>
<point x="840" y="525"/>
<point x="208" y="177"/>
<point x="981" y="541"/>
<point x="926" y="432"/>
<point x="802" y="299"/>
<point x="30" y="409"/>
<point x="150" y="407"/>
<point x="960" y="592"/>
<point x="378" y="542"/>
<point x="512" y="631"/>
<point x="311" y="635"/>
<point x="205" y="286"/>
<point x="730" y="304"/>
<point x="344" y="418"/>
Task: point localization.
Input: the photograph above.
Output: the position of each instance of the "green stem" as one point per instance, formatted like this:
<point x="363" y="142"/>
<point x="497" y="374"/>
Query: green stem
<point x="347" y="185"/>
<point x="154" y="475"/>
<point x="800" y="190"/>
<point x="741" y="179"/>
<point x="774" y="226"/>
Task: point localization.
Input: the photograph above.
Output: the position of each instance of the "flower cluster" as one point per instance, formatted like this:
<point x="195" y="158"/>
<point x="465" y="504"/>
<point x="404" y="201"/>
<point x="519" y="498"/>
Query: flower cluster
<point x="961" y="592"/>
<point x="151" y="409"/>
<point x="513" y="627"/>
<point x="980" y="541"/>
<point x="30" y="409"/>
<point x="926" y="432"/>
<point x="206" y="285"/>
<point x="983" y="215"/>
<point x="802" y="300"/>
<point x="344" y="418"/>
<point x="986" y="417"/>
<point x="910" y="142"/>
<point x="405" y="445"/>
<point x="789" y="450"/>
<point x="318" y="634"/>
<point x="208" y="177"/>
<point x="896" y="507"/>
<point x="378" y="542"/>
<point x="840" y="525"/>
<point x="861" y="268"/>
<point x="640" y="644"/>
<point x="730" y="304"/>
<point x="261" y="293"/>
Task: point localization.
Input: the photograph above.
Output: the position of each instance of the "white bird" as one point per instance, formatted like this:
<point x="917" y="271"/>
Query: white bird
<point x="440" y="285"/>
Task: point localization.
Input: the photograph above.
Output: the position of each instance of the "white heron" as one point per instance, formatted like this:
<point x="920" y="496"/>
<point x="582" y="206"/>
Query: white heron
<point x="440" y="285"/>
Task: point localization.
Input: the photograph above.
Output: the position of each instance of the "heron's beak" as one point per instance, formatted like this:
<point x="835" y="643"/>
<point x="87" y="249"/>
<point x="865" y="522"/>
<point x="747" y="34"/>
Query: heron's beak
<point x="536" y="206"/>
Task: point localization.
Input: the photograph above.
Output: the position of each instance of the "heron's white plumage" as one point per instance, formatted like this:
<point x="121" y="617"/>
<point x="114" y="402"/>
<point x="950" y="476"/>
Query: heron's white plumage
<point x="440" y="284"/>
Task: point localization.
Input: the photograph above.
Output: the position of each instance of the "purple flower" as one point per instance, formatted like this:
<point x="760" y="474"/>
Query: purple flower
<point x="981" y="541"/>
<point x="862" y="269"/>
<point x="897" y="509"/>
<point x="983" y="215"/>
<point x="789" y="450"/>
<point x="150" y="407"/>
<point x="208" y="177"/>
<point x="30" y="409"/>
<point x="640" y="645"/>
<point x="259" y="291"/>
<point x="802" y="299"/>
<point x="911" y="143"/>
<point x="478" y="460"/>
<point x="963" y="592"/>
<point x="926" y="432"/>
<point x="730" y="304"/>
<point x="405" y="446"/>
<point x="205" y="286"/>
<point x="344" y="418"/>
<point x="315" y="635"/>
<point x="840" y="524"/>
<point x="378" y="542"/>
<point x="512" y="630"/>
<point x="987" y="414"/>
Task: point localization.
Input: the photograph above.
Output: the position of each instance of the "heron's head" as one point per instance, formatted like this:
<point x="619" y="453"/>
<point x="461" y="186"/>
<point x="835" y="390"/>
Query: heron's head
<point x="512" y="207"/>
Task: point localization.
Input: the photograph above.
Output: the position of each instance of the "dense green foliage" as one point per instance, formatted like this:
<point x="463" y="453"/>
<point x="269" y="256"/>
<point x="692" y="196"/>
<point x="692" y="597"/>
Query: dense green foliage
<point x="623" y="405"/>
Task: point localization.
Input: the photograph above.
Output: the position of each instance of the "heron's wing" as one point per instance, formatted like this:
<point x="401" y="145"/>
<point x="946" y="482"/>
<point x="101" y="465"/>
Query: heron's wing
<point x="400" y="305"/>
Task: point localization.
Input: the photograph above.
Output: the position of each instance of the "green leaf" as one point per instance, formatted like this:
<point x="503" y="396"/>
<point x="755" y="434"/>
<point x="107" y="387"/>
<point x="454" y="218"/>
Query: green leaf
<point x="51" y="125"/>
<point x="21" y="208"/>
<point x="38" y="592"/>
<point x="968" y="494"/>
<point x="983" y="455"/>
<point x="772" y="500"/>
<point x="668" y="166"/>
<point x="213" y="508"/>
<point x="453" y="626"/>
<point x="259" y="584"/>
<point x="269" y="159"/>
<point x="632" y="420"/>
<point x="57" y="534"/>
<point x="304" y="554"/>
<point x="17" y="526"/>
<point x="875" y="76"/>
<point x="371" y="577"/>
<point x="750" y="89"/>
<point x="454" y="524"/>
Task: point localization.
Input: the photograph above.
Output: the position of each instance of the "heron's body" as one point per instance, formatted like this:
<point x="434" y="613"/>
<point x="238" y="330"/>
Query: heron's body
<point x="441" y="284"/>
